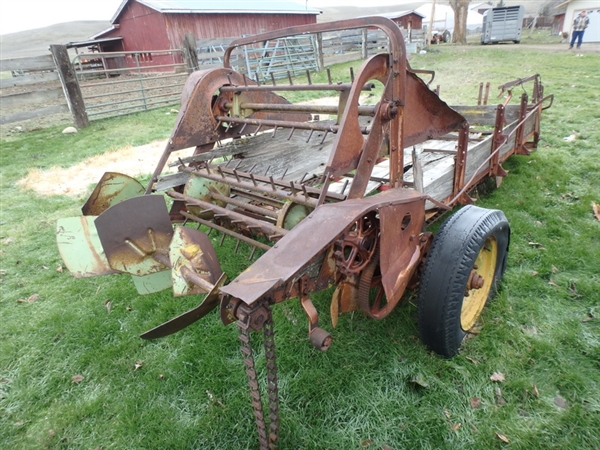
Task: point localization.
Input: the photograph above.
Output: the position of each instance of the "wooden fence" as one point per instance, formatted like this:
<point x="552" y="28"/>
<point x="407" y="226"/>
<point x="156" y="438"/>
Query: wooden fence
<point x="34" y="89"/>
<point x="40" y="86"/>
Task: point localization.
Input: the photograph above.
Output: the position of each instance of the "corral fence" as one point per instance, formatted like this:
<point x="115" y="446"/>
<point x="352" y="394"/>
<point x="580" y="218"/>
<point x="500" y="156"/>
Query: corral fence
<point x="126" y="82"/>
<point x="292" y="56"/>
<point x="33" y="90"/>
<point x="99" y="85"/>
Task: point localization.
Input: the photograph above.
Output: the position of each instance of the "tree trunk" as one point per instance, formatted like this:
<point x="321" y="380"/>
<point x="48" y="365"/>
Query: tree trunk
<point x="460" y="8"/>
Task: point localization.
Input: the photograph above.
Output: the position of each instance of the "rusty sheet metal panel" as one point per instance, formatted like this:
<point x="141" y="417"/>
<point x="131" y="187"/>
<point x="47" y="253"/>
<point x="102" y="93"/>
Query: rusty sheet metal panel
<point x="140" y="248"/>
<point x="318" y="231"/>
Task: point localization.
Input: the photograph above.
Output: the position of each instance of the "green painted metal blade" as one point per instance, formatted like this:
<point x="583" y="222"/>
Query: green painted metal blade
<point x="155" y="282"/>
<point x="189" y="317"/>
<point x="192" y="252"/>
<point x="112" y="188"/>
<point x="80" y="247"/>
<point x="202" y="188"/>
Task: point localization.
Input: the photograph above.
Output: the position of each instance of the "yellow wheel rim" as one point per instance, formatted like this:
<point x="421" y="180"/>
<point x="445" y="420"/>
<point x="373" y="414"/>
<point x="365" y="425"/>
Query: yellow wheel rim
<point x="479" y="284"/>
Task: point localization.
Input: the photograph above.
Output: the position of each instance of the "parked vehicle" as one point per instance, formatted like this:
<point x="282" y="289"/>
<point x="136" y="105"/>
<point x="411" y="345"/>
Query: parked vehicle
<point x="502" y="24"/>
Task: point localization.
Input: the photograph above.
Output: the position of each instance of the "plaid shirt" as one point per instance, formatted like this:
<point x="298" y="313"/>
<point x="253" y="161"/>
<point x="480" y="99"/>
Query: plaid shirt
<point x="581" y="23"/>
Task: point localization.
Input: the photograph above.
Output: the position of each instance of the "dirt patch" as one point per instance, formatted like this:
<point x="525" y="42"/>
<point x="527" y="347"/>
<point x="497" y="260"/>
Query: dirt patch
<point x="77" y="180"/>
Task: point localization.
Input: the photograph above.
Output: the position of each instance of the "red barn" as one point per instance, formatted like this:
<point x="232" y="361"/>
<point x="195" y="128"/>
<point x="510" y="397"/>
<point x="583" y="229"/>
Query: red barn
<point x="409" y="20"/>
<point x="146" y="25"/>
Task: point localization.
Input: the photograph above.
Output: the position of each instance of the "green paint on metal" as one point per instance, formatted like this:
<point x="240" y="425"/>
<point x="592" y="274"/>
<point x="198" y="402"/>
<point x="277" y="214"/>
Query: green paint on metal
<point x="192" y="252"/>
<point x="155" y="282"/>
<point x="292" y="214"/>
<point x="80" y="247"/>
<point x="202" y="188"/>
<point x="112" y="188"/>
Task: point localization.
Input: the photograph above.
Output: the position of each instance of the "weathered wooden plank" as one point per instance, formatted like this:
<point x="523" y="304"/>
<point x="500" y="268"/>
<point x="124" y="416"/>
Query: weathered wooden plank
<point x="486" y="114"/>
<point x="25" y="80"/>
<point x="33" y="97"/>
<point x="25" y="115"/>
<point x="43" y="62"/>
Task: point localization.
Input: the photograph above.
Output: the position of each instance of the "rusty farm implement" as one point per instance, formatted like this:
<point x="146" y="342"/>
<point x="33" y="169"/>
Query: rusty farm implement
<point x="340" y="201"/>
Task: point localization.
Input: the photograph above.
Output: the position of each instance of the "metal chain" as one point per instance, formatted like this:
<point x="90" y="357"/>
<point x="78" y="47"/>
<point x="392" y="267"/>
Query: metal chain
<point x="272" y="387"/>
<point x="269" y="443"/>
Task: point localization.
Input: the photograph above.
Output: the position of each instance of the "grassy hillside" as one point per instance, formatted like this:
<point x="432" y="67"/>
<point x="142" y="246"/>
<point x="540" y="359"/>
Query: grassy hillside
<point x="36" y="42"/>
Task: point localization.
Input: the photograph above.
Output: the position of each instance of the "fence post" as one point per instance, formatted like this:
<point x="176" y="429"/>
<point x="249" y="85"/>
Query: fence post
<point x="70" y="85"/>
<point x="364" y="44"/>
<point x="190" y="52"/>
<point x="320" y="51"/>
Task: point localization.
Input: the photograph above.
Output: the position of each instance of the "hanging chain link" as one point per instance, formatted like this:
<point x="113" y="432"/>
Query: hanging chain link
<point x="270" y="442"/>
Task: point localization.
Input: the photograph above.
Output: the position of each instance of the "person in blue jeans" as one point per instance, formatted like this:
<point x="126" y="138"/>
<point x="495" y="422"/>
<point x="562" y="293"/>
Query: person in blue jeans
<point x="580" y="23"/>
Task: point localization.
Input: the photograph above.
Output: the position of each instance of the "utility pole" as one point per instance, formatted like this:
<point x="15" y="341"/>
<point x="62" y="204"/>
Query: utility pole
<point x="430" y="28"/>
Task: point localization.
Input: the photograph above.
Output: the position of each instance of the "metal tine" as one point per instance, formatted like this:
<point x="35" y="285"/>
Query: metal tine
<point x="229" y="79"/>
<point x="237" y="245"/>
<point x="221" y="171"/>
<point x="245" y="80"/>
<point x="305" y="191"/>
<point x="218" y="125"/>
<point x="352" y="74"/>
<point x="308" y="76"/>
<point x="274" y="132"/>
<point x="184" y="222"/>
<point x="329" y="75"/>
<point x="228" y="161"/>
<point x="273" y="79"/>
<point x="252" y="168"/>
<point x="228" y="126"/>
<point x="290" y="78"/>
<point x="252" y="253"/>
<point x="302" y="179"/>
<point x="487" y="93"/>
<point x="291" y="132"/>
<point x="293" y="187"/>
<point x="235" y="170"/>
<point x="243" y="128"/>
<point x="272" y="183"/>
<point x="284" y="172"/>
<point x="222" y="239"/>
<point x="324" y="136"/>
<point x="253" y="180"/>
<point x="258" y="129"/>
<point x="256" y="78"/>
<point x="267" y="171"/>
<point x="310" y="135"/>
<point x="345" y="186"/>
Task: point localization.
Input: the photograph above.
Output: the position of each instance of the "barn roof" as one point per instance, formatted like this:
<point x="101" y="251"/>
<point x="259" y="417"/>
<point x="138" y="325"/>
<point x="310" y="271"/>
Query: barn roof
<point x="398" y="14"/>
<point x="221" y="7"/>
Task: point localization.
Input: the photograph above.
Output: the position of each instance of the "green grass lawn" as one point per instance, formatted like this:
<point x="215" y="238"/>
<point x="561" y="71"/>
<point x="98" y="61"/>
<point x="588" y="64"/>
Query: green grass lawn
<point x="75" y="375"/>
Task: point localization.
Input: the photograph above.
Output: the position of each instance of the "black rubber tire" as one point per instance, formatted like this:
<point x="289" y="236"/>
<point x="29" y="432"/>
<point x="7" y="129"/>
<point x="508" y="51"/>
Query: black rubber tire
<point x="447" y="270"/>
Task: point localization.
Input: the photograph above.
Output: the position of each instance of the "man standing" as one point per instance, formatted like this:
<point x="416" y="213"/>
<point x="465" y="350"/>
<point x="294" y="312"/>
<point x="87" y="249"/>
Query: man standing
<point x="579" y="25"/>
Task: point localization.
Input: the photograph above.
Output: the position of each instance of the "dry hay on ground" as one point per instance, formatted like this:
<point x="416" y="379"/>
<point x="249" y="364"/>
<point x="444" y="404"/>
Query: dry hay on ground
<point x="77" y="180"/>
